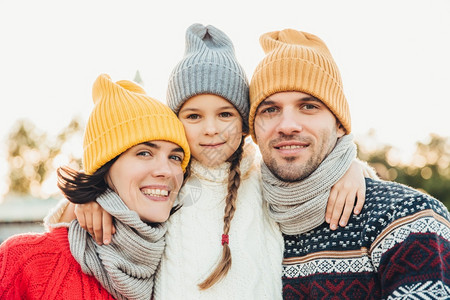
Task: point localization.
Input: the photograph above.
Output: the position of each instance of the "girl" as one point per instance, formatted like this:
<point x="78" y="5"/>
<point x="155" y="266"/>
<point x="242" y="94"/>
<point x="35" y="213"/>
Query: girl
<point x="135" y="151"/>
<point x="221" y="243"/>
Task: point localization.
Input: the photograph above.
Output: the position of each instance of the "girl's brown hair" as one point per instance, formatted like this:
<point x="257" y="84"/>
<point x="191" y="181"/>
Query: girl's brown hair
<point x="234" y="181"/>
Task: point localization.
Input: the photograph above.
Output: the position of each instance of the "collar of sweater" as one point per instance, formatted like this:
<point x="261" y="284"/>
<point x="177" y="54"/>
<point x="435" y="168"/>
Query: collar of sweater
<point x="219" y="174"/>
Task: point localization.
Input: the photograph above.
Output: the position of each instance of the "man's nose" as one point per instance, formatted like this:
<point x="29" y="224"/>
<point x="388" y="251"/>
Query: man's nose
<point x="290" y="123"/>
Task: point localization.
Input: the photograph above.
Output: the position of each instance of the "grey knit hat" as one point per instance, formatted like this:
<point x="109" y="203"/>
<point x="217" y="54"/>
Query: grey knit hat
<point x="209" y="66"/>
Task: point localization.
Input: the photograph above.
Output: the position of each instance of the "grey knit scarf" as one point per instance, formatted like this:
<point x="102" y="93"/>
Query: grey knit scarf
<point x="126" y="267"/>
<point x="300" y="206"/>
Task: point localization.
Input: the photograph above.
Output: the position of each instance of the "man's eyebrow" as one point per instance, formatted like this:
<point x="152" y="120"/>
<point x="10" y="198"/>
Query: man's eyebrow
<point x="271" y="102"/>
<point x="310" y="98"/>
<point x="266" y="102"/>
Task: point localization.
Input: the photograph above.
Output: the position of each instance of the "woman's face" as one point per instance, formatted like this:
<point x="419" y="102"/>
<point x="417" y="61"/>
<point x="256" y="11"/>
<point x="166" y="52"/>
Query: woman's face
<point x="148" y="177"/>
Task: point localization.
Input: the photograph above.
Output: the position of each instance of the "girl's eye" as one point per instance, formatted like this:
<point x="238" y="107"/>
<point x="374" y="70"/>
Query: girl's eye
<point x="193" y="116"/>
<point x="225" y="114"/>
<point x="176" y="158"/>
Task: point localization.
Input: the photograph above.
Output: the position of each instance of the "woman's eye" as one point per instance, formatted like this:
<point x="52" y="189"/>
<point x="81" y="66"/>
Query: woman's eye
<point x="176" y="158"/>
<point x="144" y="153"/>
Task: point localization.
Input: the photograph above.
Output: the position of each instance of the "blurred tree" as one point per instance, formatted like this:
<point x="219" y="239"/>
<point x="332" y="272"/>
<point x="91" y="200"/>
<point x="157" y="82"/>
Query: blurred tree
<point x="31" y="154"/>
<point x="429" y="170"/>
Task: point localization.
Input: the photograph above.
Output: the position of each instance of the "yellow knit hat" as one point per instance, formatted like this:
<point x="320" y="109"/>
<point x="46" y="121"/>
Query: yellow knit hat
<point x="124" y="116"/>
<point x="298" y="61"/>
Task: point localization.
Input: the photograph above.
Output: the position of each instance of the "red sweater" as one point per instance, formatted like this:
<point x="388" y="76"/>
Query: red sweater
<point x="41" y="266"/>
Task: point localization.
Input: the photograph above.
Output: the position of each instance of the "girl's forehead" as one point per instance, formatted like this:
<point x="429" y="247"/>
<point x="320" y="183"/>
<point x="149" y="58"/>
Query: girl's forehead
<point x="205" y="101"/>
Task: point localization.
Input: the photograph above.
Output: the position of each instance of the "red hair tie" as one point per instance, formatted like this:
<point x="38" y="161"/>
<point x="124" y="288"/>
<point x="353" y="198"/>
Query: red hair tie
<point x="224" y="239"/>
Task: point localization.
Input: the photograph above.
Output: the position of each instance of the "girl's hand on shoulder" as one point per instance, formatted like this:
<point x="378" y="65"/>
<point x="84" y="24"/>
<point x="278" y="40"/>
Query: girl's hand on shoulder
<point x="341" y="202"/>
<point x="95" y="220"/>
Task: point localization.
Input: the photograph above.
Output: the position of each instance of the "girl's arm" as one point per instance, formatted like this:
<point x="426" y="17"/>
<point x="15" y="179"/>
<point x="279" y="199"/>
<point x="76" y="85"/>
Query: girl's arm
<point x="351" y="187"/>
<point x="91" y="217"/>
<point x="94" y="219"/>
<point x="54" y="218"/>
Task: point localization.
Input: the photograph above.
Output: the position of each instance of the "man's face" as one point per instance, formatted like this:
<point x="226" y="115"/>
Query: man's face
<point x="295" y="132"/>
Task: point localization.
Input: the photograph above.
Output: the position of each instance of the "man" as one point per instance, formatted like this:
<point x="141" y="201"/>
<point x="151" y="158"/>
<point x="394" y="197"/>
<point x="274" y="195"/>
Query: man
<point x="397" y="247"/>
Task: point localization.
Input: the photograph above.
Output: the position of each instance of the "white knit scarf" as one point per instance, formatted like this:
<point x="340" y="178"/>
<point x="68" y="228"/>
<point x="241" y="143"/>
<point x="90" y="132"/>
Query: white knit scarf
<point x="126" y="267"/>
<point x="300" y="206"/>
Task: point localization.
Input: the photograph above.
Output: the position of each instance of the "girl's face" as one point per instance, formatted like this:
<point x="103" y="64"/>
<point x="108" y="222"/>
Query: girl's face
<point x="213" y="128"/>
<point x="148" y="177"/>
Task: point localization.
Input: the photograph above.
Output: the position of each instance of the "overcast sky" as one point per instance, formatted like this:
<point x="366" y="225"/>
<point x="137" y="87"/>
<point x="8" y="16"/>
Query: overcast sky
<point x="393" y="55"/>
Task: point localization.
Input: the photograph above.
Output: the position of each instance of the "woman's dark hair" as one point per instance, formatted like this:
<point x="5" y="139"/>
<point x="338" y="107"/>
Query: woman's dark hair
<point x="81" y="188"/>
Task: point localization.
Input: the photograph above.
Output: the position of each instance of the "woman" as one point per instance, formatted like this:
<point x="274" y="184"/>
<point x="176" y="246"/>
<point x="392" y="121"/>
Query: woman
<point x="135" y="153"/>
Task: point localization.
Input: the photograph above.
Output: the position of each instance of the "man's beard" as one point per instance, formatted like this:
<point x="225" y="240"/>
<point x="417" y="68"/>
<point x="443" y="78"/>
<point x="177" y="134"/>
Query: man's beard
<point x="290" y="172"/>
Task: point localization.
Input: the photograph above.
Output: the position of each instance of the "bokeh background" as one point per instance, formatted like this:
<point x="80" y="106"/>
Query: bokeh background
<point x="393" y="57"/>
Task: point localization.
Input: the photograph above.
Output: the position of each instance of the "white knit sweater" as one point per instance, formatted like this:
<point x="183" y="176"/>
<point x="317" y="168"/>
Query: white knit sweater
<point x="193" y="240"/>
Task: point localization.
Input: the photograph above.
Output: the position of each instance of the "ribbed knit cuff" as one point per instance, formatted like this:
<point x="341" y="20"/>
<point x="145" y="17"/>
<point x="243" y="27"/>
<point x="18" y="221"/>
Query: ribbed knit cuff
<point x="52" y="219"/>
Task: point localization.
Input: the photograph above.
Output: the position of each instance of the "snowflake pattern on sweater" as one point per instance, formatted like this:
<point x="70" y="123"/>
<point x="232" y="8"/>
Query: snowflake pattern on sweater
<point x="397" y="248"/>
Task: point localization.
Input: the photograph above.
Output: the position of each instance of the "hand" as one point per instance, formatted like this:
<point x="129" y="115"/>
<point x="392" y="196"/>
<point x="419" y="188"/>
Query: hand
<point x="341" y="202"/>
<point x="95" y="220"/>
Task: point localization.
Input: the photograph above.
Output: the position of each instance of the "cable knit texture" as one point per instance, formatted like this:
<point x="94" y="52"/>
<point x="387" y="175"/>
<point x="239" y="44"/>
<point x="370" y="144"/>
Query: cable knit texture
<point x="126" y="267"/>
<point x="40" y="266"/>
<point x="194" y="239"/>
<point x="300" y="206"/>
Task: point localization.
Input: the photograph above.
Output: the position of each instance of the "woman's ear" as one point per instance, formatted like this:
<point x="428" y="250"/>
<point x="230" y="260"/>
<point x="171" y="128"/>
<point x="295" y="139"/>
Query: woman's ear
<point x="110" y="183"/>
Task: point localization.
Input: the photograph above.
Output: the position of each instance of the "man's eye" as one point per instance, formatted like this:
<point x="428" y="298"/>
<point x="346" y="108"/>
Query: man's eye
<point x="309" y="106"/>
<point x="269" y="110"/>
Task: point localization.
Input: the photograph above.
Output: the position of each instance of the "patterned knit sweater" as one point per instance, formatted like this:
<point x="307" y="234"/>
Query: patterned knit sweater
<point x="397" y="248"/>
<point x="193" y="239"/>
<point x="41" y="266"/>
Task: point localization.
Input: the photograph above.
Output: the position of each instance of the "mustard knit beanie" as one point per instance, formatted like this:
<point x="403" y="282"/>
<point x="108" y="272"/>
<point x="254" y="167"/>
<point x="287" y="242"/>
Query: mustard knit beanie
<point x="209" y="66"/>
<point x="124" y="116"/>
<point x="298" y="61"/>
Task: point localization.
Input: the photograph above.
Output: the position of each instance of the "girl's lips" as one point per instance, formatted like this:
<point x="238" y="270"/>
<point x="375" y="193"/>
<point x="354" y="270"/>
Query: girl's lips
<point x="212" y="145"/>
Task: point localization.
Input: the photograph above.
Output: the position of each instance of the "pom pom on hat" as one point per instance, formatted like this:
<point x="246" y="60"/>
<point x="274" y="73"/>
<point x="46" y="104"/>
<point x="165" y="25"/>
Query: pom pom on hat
<point x="124" y="116"/>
